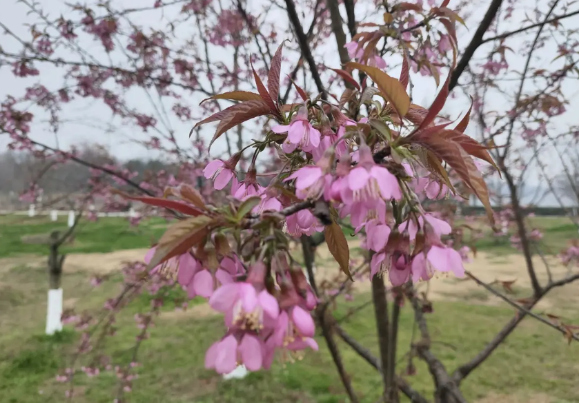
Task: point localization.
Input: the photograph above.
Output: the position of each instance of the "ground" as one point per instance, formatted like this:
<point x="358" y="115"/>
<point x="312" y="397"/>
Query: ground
<point x="535" y="365"/>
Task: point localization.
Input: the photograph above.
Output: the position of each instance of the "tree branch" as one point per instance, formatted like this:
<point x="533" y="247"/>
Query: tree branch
<point x="475" y="42"/>
<point x="304" y="45"/>
<point x="528" y="27"/>
<point x="464" y="370"/>
<point x="382" y="326"/>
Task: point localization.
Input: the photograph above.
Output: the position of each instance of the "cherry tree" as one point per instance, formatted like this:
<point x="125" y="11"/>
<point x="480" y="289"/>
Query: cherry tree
<point x="329" y="147"/>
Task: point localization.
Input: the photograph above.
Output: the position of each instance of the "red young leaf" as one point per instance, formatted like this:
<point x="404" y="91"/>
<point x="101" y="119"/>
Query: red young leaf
<point x="449" y="25"/>
<point x="165" y="203"/>
<point x="462" y="163"/>
<point x="274" y="73"/>
<point x="445" y="3"/>
<point x="404" y="6"/>
<point x="264" y="94"/>
<point x="470" y="145"/>
<point x="300" y="91"/>
<point x="179" y="239"/>
<point x="416" y="114"/>
<point x="462" y="125"/>
<point x="235" y="115"/>
<point x="437" y="105"/>
<point x="347" y="77"/>
<point x="404" y="74"/>
<point x="235" y="96"/>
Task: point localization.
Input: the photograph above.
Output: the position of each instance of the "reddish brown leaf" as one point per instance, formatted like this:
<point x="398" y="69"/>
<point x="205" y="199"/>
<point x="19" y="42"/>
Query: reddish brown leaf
<point x="300" y="91"/>
<point x="192" y="195"/>
<point x="405" y="6"/>
<point x="470" y="145"/>
<point x="404" y="74"/>
<point x="389" y="87"/>
<point x="445" y="3"/>
<point x="447" y="12"/>
<point x="462" y="125"/>
<point x="265" y="94"/>
<point x="179" y="244"/>
<point x="437" y="105"/>
<point x="235" y="96"/>
<point x="338" y="246"/>
<point x="347" y="77"/>
<point x="452" y="33"/>
<point x="478" y="185"/>
<point x="416" y="114"/>
<point x="235" y="115"/>
<point x="346" y="96"/>
<point x="273" y="74"/>
<point x="165" y="203"/>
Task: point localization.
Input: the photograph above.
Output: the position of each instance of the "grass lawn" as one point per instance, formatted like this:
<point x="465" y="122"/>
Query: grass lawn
<point x="105" y="235"/>
<point x="534" y="360"/>
<point x="557" y="232"/>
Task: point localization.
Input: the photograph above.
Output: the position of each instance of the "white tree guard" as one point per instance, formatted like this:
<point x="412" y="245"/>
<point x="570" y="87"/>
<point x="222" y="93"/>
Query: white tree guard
<point x="70" y="218"/>
<point x="32" y="210"/>
<point x="238" y="373"/>
<point x="54" y="215"/>
<point x="54" y="311"/>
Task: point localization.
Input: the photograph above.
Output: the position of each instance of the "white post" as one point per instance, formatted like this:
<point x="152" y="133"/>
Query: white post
<point x="70" y="218"/>
<point x="54" y="215"/>
<point x="132" y="213"/>
<point x="54" y="311"/>
<point x="32" y="210"/>
<point x="238" y="373"/>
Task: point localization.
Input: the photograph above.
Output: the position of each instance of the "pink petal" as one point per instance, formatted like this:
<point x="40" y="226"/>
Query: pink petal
<point x="191" y="290"/>
<point x="308" y="176"/>
<point x="203" y="284"/>
<point x="251" y="352"/>
<point x="187" y="268"/>
<point x="223" y="179"/>
<point x="211" y="355"/>
<point x="434" y="190"/>
<point x="226" y="359"/>
<point x="228" y="264"/>
<point x="357" y="178"/>
<point x="388" y="184"/>
<point x="280" y="129"/>
<point x="441" y="227"/>
<point x="212" y="167"/>
<point x="379" y="237"/>
<point x="224" y="297"/>
<point x="149" y="255"/>
<point x="303" y="321"/>
<point x="419" y="268"/>
<point x="281" y="328"/>
<point x="269" y="304"/>
<point x="296" y="132"/>
<point x="315" y="137"/>
<point x="438" y="257"/>
<point x="455" y="263"/>
<point x="399" y="277"/>
<point x="248" y="297"/>
<point x="311" y="343"/>
<point x="223" y="277"/>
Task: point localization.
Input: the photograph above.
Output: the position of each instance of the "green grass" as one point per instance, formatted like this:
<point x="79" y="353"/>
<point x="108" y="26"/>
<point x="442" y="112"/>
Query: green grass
<point x="104" y="235"/>
<point x="557" y="232"/>
<point x="534" y="359"/>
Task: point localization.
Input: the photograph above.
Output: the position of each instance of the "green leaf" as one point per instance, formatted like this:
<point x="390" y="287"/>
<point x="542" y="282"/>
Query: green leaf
<point x="246" y="207"/>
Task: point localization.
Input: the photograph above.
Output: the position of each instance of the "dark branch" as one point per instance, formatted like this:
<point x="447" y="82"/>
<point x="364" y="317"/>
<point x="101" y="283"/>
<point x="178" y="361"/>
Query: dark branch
<point x="475" y="42"/>
<point x="304" y="45"/>
<point x="528" y="27"/>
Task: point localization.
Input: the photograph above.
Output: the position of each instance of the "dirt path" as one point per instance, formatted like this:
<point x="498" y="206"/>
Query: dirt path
<point x="486" y="266"/>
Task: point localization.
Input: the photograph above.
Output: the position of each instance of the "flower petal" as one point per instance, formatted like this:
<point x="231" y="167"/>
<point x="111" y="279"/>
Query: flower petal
<point x="212" y="167"/>
<point x="226" y="359"/>
<point x="251" y="352"/>
<point x="303" y="322"/>
<point x="203" y="283"/>
<point x="222" y="179"/>
<point x="269" y="304"/>
<point x="224" y="297"/>
<point x="357" y="178"/>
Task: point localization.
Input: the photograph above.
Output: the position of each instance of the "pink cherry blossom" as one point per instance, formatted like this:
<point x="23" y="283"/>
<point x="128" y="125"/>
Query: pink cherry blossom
<point x="312" y="182"/>
<point x="303" y="222"/>
<point x="224" y="355"/>
<point x="300" y="133"/>
<point x="218" y="171"/>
